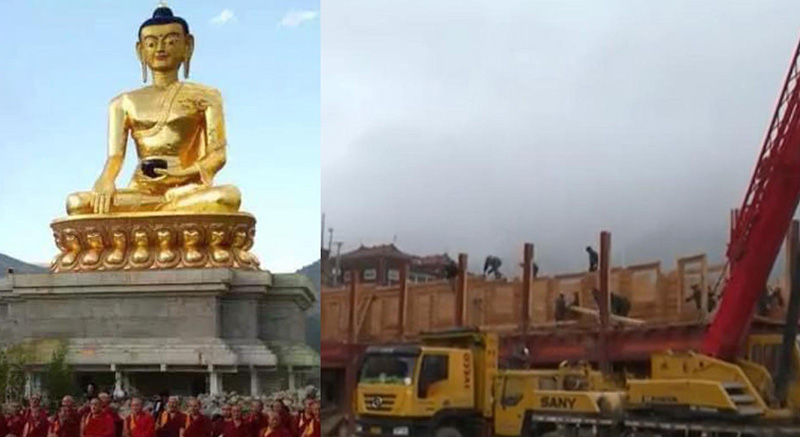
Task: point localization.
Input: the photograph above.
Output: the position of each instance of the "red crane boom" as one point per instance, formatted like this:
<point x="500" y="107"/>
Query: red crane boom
<point x="761" y="223"/>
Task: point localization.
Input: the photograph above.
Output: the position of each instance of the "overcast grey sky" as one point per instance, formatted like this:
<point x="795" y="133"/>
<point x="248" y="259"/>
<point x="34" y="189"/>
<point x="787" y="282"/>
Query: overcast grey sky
<point x="474" y="126"/>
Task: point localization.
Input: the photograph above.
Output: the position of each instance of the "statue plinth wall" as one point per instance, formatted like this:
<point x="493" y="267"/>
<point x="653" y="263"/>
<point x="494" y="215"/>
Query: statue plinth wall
<point x="245" y="326"/>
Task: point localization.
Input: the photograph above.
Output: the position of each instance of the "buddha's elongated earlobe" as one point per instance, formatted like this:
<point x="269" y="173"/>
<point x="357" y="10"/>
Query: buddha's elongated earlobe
<point x="186" y="67"/>
<point x="144" y="71"/>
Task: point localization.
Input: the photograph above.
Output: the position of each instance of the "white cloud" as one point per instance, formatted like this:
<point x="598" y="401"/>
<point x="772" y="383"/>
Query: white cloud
<point x="224" y="17"/>
<point x="296" y="18"/>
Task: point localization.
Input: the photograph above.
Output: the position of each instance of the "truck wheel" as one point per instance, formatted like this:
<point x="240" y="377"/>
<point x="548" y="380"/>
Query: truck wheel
<point x="448" y="432"/>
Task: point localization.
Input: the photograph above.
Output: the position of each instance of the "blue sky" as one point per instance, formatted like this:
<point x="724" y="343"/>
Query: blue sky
<point x="62" y="62"/>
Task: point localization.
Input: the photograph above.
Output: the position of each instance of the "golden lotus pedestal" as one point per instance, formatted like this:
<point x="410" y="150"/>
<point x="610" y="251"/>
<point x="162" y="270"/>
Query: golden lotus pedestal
<point x="153" y="241"/>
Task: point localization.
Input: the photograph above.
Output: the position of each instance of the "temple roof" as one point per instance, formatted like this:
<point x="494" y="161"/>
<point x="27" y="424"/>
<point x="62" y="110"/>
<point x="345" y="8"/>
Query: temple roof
<point x="432" y="260"/>
<point x="379" y="251"/>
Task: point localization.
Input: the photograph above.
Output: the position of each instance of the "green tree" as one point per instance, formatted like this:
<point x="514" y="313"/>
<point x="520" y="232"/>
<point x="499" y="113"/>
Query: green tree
<point x="59" y="379"/>
<point x="12" y="372"/>
<point x="4" y="371"/>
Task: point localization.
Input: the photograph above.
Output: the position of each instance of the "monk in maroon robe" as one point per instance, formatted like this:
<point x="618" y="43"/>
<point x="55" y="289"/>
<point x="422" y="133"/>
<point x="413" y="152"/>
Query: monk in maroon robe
<point x="171" y="420"/>
<point x="236" y="427"/>
<point x="15" y="421"/>
<point x="218" y="426"/>
<point x="197" y="424"/>
<point x="286" y="419"/>
<point x="314" y="426"/>
<point x="64" y="424"/>
<point x="138" y="423"/>
<point x="98" y="423"/>
<point x="256" y="419"/>
<point x="72" y="422"/>
<point x="36" y="420"/>
<point x="105" y="403"/>
<point x="3" y="424"/>
<point x="275" y="428"/>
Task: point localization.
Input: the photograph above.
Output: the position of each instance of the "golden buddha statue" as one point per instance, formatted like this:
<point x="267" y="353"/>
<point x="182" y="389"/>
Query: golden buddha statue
<point x="171" y="215"/>
<point x="178" y="129"/>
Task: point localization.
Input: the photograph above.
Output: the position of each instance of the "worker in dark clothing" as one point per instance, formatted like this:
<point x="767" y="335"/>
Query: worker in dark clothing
<point x="492" y="266"/>
<point x="696" y="296"/>
<point x="451" y="270"/>
<point x="561" y="308"/>
<point x="620" y="305"/>
<point x="763" y="304"/>
<point x="712" y="299"/>
<point x="535" y="270"/>
<point x="593" y="259"/>
<point x="777" y="297"/>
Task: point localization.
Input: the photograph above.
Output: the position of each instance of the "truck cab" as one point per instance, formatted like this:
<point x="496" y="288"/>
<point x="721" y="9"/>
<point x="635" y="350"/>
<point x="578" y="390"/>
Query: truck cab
<point x="440" y="387"/>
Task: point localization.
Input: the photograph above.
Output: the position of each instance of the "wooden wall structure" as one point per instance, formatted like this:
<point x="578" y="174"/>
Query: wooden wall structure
<point x="656" y="296"/>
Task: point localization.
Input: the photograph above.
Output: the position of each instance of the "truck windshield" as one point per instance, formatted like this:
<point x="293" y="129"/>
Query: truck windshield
<point x="387" y="369"/>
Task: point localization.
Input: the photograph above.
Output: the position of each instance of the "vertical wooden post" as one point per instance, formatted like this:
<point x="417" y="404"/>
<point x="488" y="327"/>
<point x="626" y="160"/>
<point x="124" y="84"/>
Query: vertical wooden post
<point x="527" y="275"/>
<point x="605" y="253"/>
<point x="351" y="306"/>
<point x="403" y="302"/>
<point x="380" y="277"/>
<point x="461" y="290"/>
<point x="351" y="364"/>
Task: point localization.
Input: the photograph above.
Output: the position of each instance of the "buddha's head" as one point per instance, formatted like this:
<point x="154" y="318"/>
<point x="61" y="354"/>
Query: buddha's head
<point x="164" y="42"/>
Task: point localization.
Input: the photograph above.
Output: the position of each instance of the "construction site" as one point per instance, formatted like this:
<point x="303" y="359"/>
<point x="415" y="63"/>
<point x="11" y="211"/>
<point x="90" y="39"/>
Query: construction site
<point x="685" y="349"/>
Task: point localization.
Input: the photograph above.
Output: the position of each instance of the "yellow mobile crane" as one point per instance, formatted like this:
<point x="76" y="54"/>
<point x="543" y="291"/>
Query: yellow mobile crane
<point x="448" y="385"/>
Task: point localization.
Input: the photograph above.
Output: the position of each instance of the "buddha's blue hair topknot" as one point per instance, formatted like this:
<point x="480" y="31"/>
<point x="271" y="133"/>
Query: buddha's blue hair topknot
<point x="163" y="15"/>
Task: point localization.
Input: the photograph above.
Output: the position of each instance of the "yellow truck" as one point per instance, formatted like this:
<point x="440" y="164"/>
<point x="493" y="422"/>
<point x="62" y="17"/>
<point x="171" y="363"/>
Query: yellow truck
<point x="446" y="386"/>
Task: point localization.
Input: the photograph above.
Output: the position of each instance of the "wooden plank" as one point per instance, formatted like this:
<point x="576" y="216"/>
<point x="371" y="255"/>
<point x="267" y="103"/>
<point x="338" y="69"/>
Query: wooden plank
<point x="614" y="317"/>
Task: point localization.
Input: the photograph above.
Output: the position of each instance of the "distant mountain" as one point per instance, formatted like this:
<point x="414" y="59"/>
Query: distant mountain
<point x="313" y="272"/>
<point x="313" y="321"/>
<point x="6" y="262"/>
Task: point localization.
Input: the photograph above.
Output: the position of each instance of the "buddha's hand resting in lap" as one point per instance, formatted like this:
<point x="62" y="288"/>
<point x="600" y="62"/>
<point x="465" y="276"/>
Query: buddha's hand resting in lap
<point x="176" y="172"/>
<point x="102" y="195"/>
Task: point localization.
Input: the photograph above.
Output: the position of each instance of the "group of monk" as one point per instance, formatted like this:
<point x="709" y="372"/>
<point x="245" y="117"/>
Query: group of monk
<point x="99" y="418"/>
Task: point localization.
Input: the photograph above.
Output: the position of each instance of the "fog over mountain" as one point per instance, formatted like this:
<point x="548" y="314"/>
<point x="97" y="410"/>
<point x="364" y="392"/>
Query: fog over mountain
<point x="477" y="126"/>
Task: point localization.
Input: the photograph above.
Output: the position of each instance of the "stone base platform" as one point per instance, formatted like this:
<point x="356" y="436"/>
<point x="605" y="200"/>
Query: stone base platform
<point x="211" y="321"/>
<point x="157" y="240"/>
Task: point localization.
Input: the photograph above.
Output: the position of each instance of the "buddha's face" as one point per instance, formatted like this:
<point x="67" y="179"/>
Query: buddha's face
<point x="164" y="46"/>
